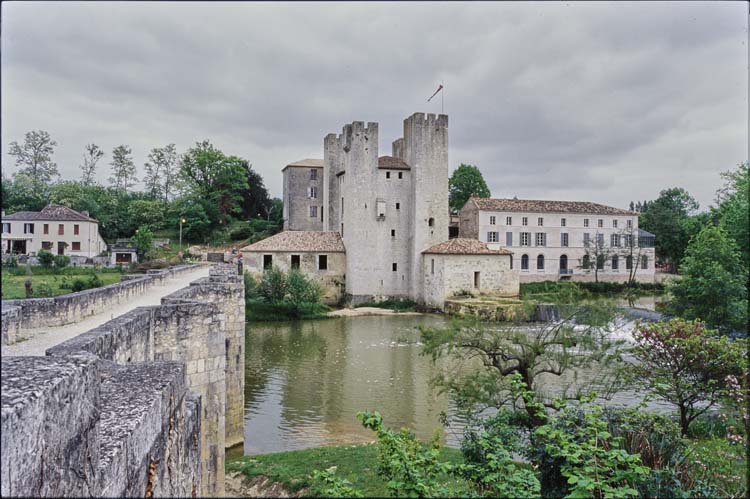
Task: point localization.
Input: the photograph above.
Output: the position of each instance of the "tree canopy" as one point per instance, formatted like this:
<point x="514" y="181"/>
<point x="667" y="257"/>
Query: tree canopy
<point x="667" y="217"/>
<point x="466" y="181"/>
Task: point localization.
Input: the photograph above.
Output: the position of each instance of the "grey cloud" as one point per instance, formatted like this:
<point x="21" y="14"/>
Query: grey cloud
<point x="597" y="101"/>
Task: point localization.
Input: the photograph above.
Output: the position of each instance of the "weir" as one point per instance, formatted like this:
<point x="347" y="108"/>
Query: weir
<point x="143" y="405"/>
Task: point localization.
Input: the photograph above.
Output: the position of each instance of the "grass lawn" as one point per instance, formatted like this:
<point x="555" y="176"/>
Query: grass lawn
<point x="356" y="463"/>
<point x="13" y="285"/>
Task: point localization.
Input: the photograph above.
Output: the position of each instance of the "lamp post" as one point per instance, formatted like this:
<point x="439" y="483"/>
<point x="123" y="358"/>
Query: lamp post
<point x="182" y="221"/>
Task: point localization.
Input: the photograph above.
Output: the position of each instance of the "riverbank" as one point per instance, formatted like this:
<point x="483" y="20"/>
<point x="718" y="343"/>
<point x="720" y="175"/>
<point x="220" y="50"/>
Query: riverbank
<point x="289" y="474"/>
<point x="366" y="311"/>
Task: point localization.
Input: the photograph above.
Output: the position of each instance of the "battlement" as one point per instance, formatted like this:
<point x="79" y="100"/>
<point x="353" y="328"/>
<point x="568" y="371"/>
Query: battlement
<point x="440" y="120"/>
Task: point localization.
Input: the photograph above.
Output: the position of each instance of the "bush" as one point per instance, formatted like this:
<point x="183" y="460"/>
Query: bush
<point x="301" y="289"/>
<point x="46" y="259"/>
<point x="273" y="285"/>
<point x="333" y="486"/>
<point x="78" y="285"/>
<point x="11" y="263"/>
<point x="43" y="291"/>
<point x="62" y="261"/>
<point x="241" y="233"/>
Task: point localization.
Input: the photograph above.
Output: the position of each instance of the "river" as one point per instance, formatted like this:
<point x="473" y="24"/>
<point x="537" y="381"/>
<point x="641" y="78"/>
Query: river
<point x="306" y="381"/>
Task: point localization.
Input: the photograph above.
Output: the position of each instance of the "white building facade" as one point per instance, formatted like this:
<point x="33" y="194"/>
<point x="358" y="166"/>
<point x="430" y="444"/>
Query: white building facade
<point x="57" y="229"/>
<point x="559" y="240"/>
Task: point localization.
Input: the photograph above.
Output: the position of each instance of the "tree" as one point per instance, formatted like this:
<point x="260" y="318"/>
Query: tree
<point x="25" y="193"/>
<point x="581" y="339"/>
<point x="34" y="157"/>
<point x="713" y="283"/>
<point x="146" y="212"/>
<point x="144" y="240"/>
<point x="685" y="364"/>
<point x="208" y="174"/>
<point x="466" y="181"/>
<point x="161" y="170"/>
<point x="733" y="210"/>
<point x="255" y="200"/>
<point x="665" y="217"/>
<point x="632" y="206"/>
<point x="123" y="169"/>
<point x="91" y="156"/>
<point x="596" y="253"/>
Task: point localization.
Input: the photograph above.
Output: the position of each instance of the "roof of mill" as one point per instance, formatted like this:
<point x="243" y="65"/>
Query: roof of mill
<point x="464" y="246"/>
<point x="54" y="212"/>
<point x="306" y="163"/>
<point x="546" y="206"/>
<point x="392" y="163"/>
<point x="300" y="240"/>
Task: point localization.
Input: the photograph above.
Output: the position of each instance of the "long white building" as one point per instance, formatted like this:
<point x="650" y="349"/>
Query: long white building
<point x="553" y="240"/>
<point x="57" y="229"/>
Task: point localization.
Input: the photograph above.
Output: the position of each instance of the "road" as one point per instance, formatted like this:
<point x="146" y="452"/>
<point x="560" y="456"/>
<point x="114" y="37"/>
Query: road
<point x="48" y="337"/>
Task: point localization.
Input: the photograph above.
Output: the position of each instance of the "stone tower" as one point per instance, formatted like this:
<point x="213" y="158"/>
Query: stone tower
<point x="425" y="150"/>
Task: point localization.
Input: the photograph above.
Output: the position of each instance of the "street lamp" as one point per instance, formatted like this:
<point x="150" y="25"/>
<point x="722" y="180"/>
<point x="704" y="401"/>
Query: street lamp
<point x="182" y="221"/>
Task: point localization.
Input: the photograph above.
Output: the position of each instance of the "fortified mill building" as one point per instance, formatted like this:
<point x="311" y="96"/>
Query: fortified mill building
<point x="380" y="223"/>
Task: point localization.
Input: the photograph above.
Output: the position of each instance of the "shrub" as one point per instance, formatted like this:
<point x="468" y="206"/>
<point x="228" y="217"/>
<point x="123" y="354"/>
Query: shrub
<point x="46" y="259"/>
<point x="273" y="285"/>
<point x="11" y="263"/>
<point x="78" y="285"/>
<point x="411" y="468"/>
<point x="62" y="261"/>
<point x="43" y="290"/>
<point x="94" y="282"/>
<point x="333" y="486"/>
<point x="301" y="289"/>
<point x="591" y="459"/>
<point x="241" y="233"/>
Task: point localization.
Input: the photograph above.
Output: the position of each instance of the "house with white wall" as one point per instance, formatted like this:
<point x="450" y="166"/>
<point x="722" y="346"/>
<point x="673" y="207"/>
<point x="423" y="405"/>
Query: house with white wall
<point x="562" y="240"/>
<point x="57" y="229"/>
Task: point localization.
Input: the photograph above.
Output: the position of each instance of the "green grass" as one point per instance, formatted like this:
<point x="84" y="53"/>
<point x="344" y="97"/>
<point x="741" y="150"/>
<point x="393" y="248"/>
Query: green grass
<point x="260" y="310"/>
<point x="356" y="463"/>
<point x="399" y="305"/>
<point x="13" y="286"/>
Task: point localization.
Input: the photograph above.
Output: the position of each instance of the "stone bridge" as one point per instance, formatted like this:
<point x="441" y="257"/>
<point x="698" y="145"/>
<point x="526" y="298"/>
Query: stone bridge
<point x="142" y="405"/>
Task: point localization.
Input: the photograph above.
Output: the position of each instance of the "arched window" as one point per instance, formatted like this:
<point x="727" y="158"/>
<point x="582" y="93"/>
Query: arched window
<point x="525" y="262"/>
<point x="431" y="222"/>
<point x="540" y="262"/>
<point x="586" y="262"/>
<point x="563" y="262"/>
<point x="628" y="262"/>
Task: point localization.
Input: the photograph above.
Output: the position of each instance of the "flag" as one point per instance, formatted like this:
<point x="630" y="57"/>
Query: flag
<point x="436" y="92"/>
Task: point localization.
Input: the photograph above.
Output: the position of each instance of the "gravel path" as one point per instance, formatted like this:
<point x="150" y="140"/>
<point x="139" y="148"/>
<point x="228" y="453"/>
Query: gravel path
<point x="49" y="337"/>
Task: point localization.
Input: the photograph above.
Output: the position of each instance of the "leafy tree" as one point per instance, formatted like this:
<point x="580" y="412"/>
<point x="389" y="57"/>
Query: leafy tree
<point x="123" y="169"/>
<point x="276" y="212"/>
<point x="220" y="180"/>
<point x="733" y="211"/>
<point x="25" y="193"/>
<point x="466" y="181"/>
<point x="301" y="289"/>
<point x="665" y="217"/>
<point x="255" y="200"/>
<point x="62" y="261"/>
<point x="144" y="239"/>
<point x="34" y="156"/>
<point x="146" y="212"/>
<point x="580" y="340"/>
<point x="91" y="156"/>
<point x="273" y="286"/>
<point x="197" y="224"/>
<point x="161" y="172"/>
<point x="713" y="283"/>
<point x="685" y="364"/>
<point x="596" y="254"/>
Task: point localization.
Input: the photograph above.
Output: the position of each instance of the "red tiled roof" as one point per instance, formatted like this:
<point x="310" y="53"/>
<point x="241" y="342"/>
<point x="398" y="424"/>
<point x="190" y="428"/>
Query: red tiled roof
<point x="464" y="246"/>
<point x="300" y="240"/>
<point x="391" y="163"/>
<point x="545" y="206"/>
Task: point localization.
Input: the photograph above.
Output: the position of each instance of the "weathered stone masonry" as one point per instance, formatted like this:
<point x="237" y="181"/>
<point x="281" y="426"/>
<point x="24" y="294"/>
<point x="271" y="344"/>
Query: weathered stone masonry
<point x="187" y="353"/>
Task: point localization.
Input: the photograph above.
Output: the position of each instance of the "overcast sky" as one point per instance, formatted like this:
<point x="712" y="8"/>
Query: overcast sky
<point x="603" y="102"/>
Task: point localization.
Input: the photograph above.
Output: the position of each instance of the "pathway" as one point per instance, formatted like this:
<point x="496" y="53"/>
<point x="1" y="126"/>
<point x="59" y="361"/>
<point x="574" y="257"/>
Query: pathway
<point x="48" y="337"/>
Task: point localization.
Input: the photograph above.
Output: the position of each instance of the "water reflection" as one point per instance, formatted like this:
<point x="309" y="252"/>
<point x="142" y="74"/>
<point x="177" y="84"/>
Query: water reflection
<point x="306" y="381"/>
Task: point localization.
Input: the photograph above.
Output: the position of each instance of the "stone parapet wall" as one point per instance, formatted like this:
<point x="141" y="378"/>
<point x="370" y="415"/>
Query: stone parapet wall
<point x="82" y="426"/>
<point x="72" y="307"/>
<point x="199" y="329"/>
<point x="11" y="324"/>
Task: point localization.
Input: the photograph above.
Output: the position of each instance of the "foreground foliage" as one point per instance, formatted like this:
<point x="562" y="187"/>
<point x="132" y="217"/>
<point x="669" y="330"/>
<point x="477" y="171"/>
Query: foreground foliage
<point x="282" y="295"/>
